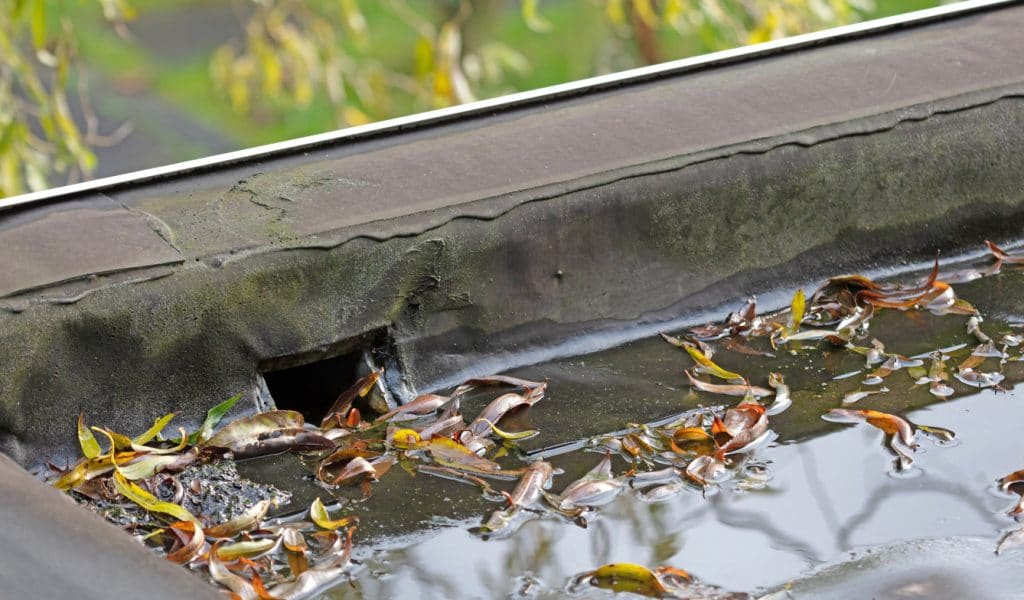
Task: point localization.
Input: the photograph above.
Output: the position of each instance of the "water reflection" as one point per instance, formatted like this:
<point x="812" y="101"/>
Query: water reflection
<point x="827" y="496"/>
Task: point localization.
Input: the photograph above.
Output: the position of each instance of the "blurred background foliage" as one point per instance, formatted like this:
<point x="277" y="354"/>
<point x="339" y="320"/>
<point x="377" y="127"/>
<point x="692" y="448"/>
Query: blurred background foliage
<point x="97" y="87"/>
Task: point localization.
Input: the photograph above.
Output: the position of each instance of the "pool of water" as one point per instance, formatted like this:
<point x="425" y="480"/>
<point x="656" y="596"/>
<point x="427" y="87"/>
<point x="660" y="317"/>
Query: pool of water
<point x="827" y="516"/>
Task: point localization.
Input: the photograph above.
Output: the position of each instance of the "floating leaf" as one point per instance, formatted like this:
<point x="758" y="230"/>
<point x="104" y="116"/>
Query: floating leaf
<point x="222" y="575"/>
<point x="1003" y="255"/>
<point x="625" y="577"/>
<point x="851" y="397"/>
<point x="450" y="453"/>
<point x="782" y="398"/>
<point x="425" y="404"/>
<point x="595" y="488"/>
<point x="243" y="522"/>
<point x="708" y="366"/>
<point x="513" y="436"/>
<point x="497" y="409"/>
<point x="728" y="390"/>
<point x="267" y="433"/>
<point x="796" y="308"/>
<point x="318" y="512"/>
<point x="316" y="578"/>
<point x="536" y="477"/>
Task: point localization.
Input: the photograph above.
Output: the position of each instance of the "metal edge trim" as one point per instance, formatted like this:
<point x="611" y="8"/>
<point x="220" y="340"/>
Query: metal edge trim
<point x="511" y="101"/>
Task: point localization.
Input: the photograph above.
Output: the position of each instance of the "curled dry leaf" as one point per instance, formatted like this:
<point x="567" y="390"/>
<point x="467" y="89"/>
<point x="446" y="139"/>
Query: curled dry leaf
<point x="728" y="390"/>
<point x="851" y="397"/>
<point x="1014" y="482"/>
<point x="782" y="398"/>
<point x="692" y="441"/>
<point x="536" y="477"/>
<point x="900" y="432"/>
<point x="267" y="433"/>
<point x="1004" y="256"/>
<point x="315" y="579"/>
<point x="497" y="409"/>
<point x="422" y="405"/>
<point x="191" y="549"/>
<point x="222" y="575"/>
<point x="706" y="470"/>
<point x="338" y="412"/>
<point x="243" y="522"/>
<point x="449" y="453"/>
<point x="596" y="488"/>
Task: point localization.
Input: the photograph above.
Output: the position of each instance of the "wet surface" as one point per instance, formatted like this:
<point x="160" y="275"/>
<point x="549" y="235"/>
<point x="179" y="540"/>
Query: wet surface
<point x="824" y="511"/>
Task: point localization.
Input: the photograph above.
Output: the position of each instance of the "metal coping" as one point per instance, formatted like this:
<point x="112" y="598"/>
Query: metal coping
<point x="511" y="101"/>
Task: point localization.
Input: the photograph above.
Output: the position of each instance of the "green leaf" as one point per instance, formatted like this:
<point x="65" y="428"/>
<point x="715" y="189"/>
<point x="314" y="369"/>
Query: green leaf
<point x="90" y="447"/>
<point x="213" y="417"/>
<point x="38" y="24"/>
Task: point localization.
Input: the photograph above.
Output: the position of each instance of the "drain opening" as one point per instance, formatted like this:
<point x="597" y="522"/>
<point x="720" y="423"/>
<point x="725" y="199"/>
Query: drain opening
<point x="310" y="383"/>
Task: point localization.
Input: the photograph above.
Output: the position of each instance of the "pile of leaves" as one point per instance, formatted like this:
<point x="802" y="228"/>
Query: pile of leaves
<point x="147" y="478"/>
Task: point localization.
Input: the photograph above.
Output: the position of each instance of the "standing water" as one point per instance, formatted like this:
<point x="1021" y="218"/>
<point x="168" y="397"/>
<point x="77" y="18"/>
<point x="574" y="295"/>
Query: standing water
<point x="894" y="494"/>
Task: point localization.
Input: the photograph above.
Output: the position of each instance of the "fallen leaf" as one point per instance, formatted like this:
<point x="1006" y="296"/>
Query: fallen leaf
<point x="625" y="577"/>
<point x="190" y="550"/>
<point x="339" y="410"/>
<point x="154" y="431"/>
<point x="851" y="397"/>
<point x="149" y="502"/>
<point x="90" y="447"/>
<point x="213" y="417"/>
<point x="243" y="522"/>
<point x="267" y="433"/>
<point x="316" y="578"/>
<point x="318" y="512"/>
<point x="706" y="365"/>
<point x="595" y="488"/>
<point x="247" y="548"/>
<point x="728" y="390"/>
<point x="796" y="310"/>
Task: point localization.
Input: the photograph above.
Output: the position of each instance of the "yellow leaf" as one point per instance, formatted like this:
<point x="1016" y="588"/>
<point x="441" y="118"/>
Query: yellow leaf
<point x="318" y="512"/>
<point x="155" y="430"/>
<point x="90" y="447"/>
<point x="406" y="439"/>
<point x="509" y="435"/>
<point x="149" y="502"/>
<point x="533" y="20"/>
<point x="614" y="11"/>
<point x="797" y="308"/>
<point x="709" y="365"/>
<point x="646" y="12"/>
<point x="354" y="116"/>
